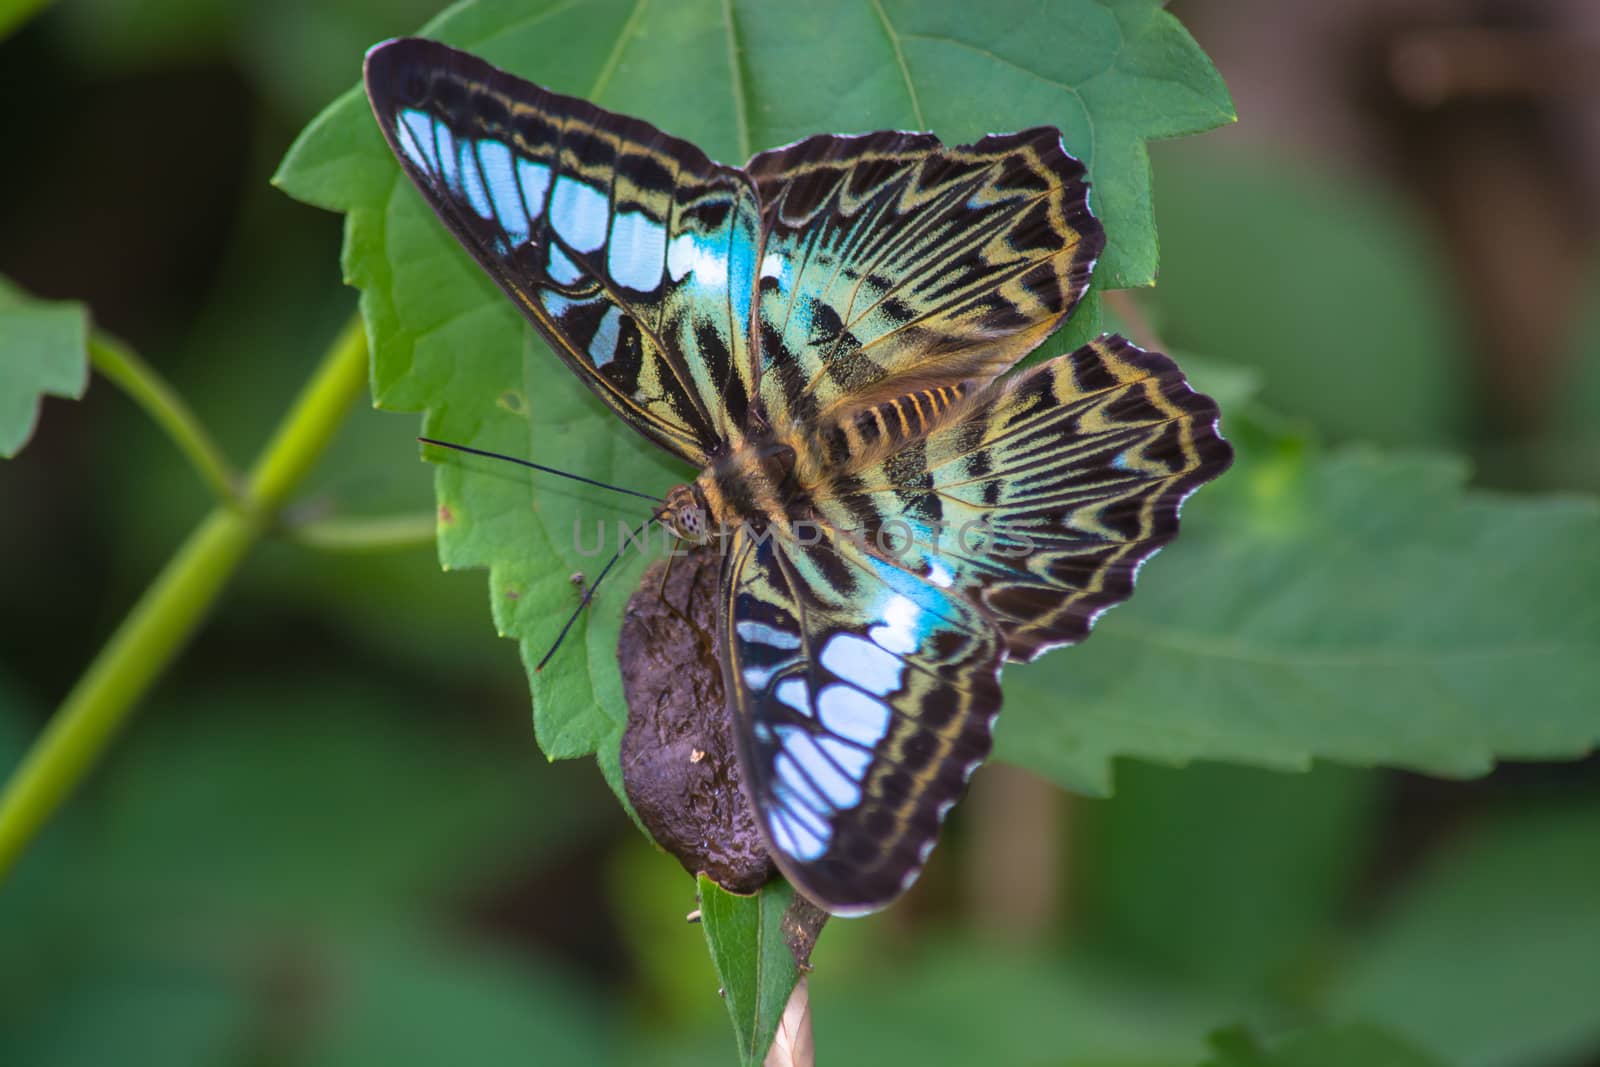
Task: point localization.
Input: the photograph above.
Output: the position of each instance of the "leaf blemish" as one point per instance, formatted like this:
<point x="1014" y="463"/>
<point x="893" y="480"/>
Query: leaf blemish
<point x="512" y="401"/>
<point x="446" y="516"/>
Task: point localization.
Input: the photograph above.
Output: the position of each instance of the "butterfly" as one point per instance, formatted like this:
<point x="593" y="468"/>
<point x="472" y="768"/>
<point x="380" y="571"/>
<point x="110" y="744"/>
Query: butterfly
<point x="825" y="333"/>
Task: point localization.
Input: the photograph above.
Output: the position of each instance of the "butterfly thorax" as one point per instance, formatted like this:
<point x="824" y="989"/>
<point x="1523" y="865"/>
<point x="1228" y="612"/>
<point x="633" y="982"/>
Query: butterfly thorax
<point x="753" y="484"/>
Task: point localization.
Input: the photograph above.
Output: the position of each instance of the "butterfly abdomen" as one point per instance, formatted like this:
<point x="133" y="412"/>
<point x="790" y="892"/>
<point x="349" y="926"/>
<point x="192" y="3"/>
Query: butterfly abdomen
<point x="865" y="435"/>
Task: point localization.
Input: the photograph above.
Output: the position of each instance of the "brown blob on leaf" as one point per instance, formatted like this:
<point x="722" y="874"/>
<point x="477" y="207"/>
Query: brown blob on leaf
<point x="445" y="514"/>
<point x="802" y="924"/>
<point x="679" y="767"/>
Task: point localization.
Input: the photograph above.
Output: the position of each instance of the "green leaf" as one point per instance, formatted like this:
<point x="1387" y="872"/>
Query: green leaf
<point x="258" y="838"/>
<point x="1327" y="285"/>
<point x="412" y="1000"/>
<point x="146" y="1012"/>
<point x="733" y="78"/>
<point x="1491" y="958"/>
<point x="1348" y="606"/>
<point x="44" y="351"/>
<point x="1222" y="876"/>
<point x="937" y="1000"/>
<point x="753" y="962"/>
<point x="1323" y="1046"/>
<point x="360" y="833"/>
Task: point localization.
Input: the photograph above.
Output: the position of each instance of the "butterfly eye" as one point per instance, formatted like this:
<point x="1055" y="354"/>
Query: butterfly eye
<point x="685" y="514"/>
<point x="692" y="521"/>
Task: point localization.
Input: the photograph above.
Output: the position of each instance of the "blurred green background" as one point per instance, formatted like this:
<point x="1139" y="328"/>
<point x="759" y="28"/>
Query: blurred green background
<point x="329" y="839"/>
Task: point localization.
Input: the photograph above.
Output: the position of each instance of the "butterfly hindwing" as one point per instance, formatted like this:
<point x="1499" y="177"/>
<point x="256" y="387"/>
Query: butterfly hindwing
<point x="863" y="699"/>
<point x="1044" y="500"/>
<point x="630" y="251"/>
<point x="891" y="263"/>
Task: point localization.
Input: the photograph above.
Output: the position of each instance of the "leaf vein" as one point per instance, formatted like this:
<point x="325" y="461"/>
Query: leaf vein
<point x="900" y="59"/>
<point x="741" y="118"/>
<point x="1358" y="656"/>
<point x="609" y="68"/>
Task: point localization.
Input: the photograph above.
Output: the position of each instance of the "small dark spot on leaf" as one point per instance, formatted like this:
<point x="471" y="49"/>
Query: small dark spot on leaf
<point x="445" y="514"/>
<point x="512" y="594"/>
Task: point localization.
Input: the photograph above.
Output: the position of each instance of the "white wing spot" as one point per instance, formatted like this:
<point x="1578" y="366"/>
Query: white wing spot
<point x="708" y="264"/>
<point x="794" y="693"/>
<point x="898" y="632"/>
<point x="795" y="838"/>
<point x="758" y="677"/>
<point x="781" y="834"/>
<point x="791" y="781"/>
<point x="603" y="346"/>
<point x="472" y="180"/>
<point x="562" y="270"/>
<point x="762" y="634"/>
<point x="776" y="265"/>
<point x="862" y="663"/>
<point x="853" y="715"/>
<point x="852" y="758"/>
<point x="841" y="791"/>
<point x="449" y="162"/>
<point x="638" y="250"/>
<point x="535" y="181"/>
<point x="416" y="139"/>
<point x="578" y="212"/>
<point x="499" y="174"/>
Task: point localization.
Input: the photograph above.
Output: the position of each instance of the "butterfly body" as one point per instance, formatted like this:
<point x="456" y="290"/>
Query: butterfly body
<point x="824" y="334"/>
<point x="752" y="485"/>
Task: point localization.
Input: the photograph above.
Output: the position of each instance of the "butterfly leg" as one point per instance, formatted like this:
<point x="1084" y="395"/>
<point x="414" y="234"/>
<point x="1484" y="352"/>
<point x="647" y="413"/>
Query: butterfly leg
<point x="661" y="589"/>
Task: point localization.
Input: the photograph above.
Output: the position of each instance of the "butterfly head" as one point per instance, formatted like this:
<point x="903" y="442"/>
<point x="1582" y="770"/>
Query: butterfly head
<point x="687" y="515"/>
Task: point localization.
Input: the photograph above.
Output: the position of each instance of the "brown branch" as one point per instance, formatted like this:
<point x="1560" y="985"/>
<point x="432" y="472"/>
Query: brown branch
<point x="793" y="1046"/>
<point x="1139" y="329"/>
<point x="1435" y="66"/>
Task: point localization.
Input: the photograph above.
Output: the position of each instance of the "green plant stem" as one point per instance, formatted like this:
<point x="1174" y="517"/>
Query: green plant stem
<point x="172" y="608"/>
<point x="162" y="403"/>
<point x="382" y="533"/>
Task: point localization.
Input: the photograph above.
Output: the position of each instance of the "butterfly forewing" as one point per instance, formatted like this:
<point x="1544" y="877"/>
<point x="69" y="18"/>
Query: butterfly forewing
<point x="630" y="251"/>
<point x="864" y="698"/>
<point x="892" y="263"/>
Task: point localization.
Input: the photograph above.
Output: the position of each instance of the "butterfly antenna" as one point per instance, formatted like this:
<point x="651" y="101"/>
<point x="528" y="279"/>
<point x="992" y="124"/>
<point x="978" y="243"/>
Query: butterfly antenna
<point x="588" y="594"/>
<point x="538" y="467"/>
